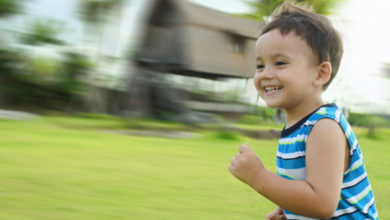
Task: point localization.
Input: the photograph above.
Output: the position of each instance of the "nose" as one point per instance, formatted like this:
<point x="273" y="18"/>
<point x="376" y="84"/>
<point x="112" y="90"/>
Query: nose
<point x="267" y="73"/>
<point x="264" y="74"/>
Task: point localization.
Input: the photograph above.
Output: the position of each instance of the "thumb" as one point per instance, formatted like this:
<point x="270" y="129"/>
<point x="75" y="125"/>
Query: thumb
<point x="243" y="147"/>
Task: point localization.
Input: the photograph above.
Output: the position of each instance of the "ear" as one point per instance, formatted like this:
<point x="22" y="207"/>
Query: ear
<point x="324" y="72"/>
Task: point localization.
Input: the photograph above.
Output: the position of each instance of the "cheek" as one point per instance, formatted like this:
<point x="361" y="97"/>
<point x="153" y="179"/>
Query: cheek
<point x="257" y="81"/>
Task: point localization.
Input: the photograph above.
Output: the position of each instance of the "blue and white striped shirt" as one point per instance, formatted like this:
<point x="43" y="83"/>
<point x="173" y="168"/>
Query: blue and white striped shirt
<point x="356" y="199"/>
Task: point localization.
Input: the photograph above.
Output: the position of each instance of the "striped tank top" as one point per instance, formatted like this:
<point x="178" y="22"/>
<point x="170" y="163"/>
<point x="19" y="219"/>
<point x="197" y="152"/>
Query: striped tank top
<point x="356" y="199"/>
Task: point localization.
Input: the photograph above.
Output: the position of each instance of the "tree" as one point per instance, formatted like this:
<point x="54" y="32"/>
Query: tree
<point x="264" y="8"/>
<point x="10" y="7"/>
<point x="94" y="14"/>
<point x="42" y="31"/>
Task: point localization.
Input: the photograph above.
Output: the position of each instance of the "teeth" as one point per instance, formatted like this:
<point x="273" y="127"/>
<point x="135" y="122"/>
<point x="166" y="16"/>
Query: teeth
<point x="270" y="88"/>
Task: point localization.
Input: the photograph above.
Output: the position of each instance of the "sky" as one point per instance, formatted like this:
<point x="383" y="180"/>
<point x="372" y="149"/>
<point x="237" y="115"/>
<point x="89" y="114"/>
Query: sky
<point x="360" y="84"/>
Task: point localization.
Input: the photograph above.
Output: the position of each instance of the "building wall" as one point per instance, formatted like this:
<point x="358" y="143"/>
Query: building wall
<point x="216" y="51"/>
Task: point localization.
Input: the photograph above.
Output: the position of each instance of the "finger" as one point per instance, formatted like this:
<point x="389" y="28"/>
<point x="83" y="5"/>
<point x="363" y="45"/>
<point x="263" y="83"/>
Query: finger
<point x="231" y="168"/>
<point x="271" y="215"/>
<point x="279" y="217"/>
<point x="282" y="214"/>
<point x="242" y="148"/>
<point x="233" y="161"/>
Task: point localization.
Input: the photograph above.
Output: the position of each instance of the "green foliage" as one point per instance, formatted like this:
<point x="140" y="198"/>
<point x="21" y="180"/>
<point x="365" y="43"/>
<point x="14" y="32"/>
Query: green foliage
<point x="10" y="7"/>
<point x="264" y="8"/>
<point x="372" y="122"/>
<point x="91" y="11"/>
<point x="43" y="32"/>
<point x="74" y="68"/>
<point x="9" y="62"/>
<point x="264" y="115"/>
<point x="227" y="135"/>
<point x="366" y="120"/>
<point x="267" y="114"/>
<point x="42" y="67"/>
<point x="261" y="8"/>
<point x="96" y="116"/>
<point x="250" y="119"/>
<point x="94" y="11"/>
<point x="40" y="82"/>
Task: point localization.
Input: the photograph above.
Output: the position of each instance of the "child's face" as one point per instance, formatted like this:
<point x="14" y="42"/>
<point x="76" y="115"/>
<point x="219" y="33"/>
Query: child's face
<point x="286" y="69"/>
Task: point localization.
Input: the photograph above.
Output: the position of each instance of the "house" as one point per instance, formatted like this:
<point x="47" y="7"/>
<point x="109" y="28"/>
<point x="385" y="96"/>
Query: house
<point x="188" y="39"/>
<point x="179" y="37"/>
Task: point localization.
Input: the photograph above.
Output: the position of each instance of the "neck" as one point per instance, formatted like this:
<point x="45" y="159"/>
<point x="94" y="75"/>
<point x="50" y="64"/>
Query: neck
<point x="293" y="115"/>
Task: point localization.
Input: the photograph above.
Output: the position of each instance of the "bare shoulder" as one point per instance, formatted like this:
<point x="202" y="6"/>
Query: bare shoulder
<point x="327" y="130"/>
<point x="327" y="142"/>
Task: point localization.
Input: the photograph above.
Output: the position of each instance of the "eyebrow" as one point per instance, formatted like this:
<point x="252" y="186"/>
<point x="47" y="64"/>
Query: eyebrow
<point x="274" y="56"/>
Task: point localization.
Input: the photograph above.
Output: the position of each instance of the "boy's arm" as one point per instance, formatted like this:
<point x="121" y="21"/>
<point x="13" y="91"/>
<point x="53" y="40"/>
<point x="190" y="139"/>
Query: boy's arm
<point x="319" y="195"/>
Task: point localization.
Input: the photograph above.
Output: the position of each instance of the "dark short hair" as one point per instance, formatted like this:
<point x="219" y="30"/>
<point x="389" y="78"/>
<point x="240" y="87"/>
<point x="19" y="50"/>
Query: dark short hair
<point x="315" y="29"/>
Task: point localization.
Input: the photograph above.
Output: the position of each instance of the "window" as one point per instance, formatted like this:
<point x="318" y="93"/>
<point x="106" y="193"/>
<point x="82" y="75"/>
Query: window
<point x="237" y="43"/>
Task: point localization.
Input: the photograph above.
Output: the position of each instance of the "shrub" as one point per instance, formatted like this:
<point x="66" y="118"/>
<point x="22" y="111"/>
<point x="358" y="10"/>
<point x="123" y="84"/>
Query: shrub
<point x="227" y="135"/>
<point x="263" y="115"/>
<point x="366" y="120"/>
<point x="96" y="116"/>
<point x="372" y="122"/>
<point x="250" y="119"/>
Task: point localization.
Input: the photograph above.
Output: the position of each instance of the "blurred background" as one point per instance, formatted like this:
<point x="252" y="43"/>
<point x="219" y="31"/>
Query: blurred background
<point x="135" y="57"/>
<point x="132" y="109"/>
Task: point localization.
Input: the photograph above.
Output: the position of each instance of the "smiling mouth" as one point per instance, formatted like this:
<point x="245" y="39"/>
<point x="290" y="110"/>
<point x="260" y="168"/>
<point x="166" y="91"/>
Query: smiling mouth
<point x="272" y="88"/>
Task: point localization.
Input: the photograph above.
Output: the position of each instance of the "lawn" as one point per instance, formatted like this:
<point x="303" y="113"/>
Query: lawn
<point x="67" y="168"/>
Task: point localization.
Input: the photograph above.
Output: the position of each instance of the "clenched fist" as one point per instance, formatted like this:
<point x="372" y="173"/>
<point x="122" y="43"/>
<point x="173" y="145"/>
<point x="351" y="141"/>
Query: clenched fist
<point x="278" y="213"/>
<point x="246" y="165"/>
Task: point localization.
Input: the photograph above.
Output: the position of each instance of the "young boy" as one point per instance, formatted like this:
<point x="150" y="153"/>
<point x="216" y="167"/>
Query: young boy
<point x="320" y="168"/>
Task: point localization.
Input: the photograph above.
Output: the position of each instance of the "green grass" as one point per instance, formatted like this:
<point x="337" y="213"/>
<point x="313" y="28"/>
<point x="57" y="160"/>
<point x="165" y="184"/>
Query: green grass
<point x="377" y="160"/>
<point x="269" y="126"/>
<point x="62" y="168"/>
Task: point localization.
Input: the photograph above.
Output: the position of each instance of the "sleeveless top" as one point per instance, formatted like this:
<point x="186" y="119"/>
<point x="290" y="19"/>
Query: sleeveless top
<point x="356" y="199"/>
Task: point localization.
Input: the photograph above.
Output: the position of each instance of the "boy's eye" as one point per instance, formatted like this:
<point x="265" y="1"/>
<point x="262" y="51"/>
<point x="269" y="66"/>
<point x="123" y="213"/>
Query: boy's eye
<point x="259" y="67"/>
<point x="280" y="63"/>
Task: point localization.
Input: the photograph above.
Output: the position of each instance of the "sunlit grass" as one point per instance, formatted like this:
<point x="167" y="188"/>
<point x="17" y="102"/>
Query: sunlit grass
<point x="268" y="126"/>
<point x="52" y="171"/>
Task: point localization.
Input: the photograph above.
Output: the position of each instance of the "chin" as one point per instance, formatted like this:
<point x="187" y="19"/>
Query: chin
<point x="273" y="102"/>
<point x="272" y="105"/>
